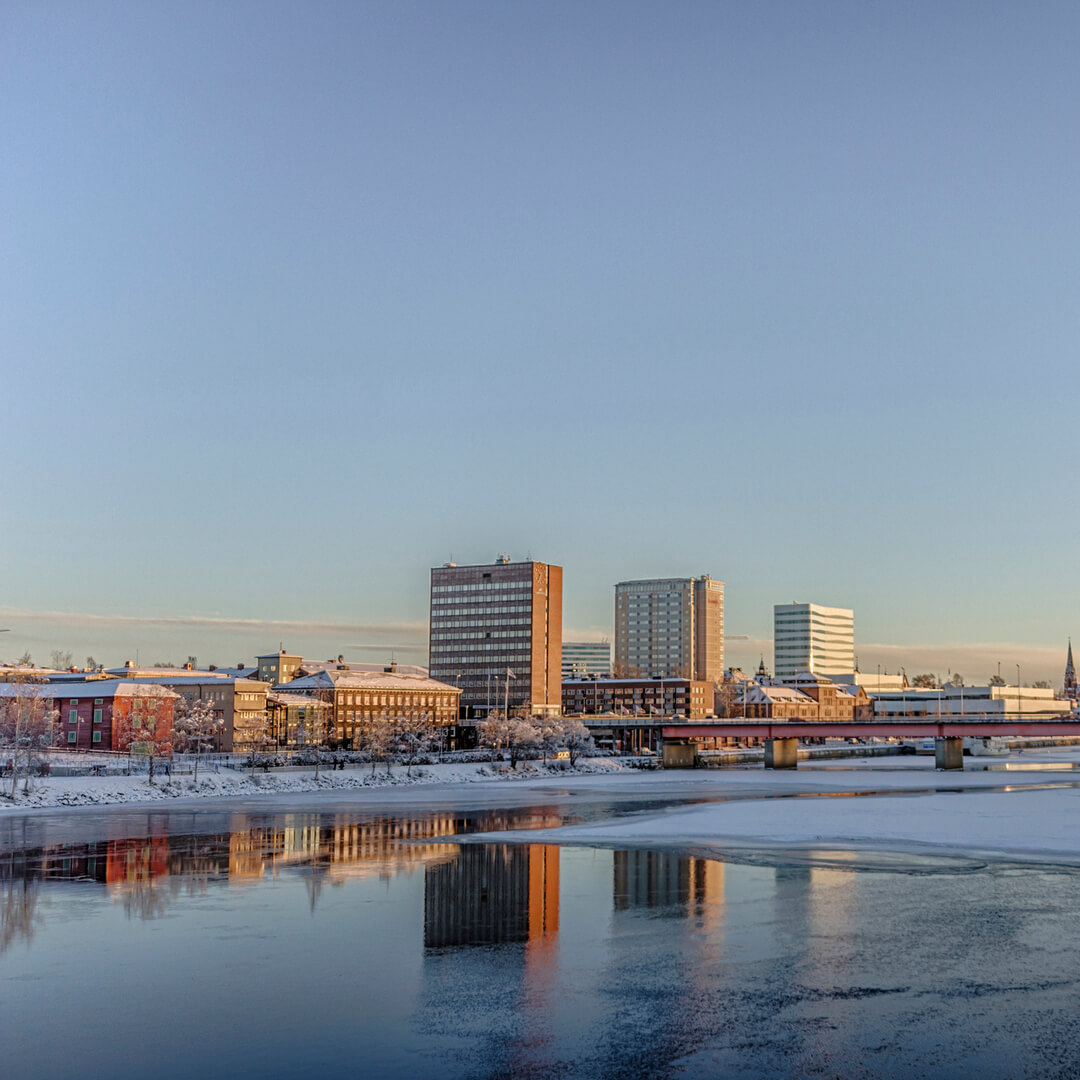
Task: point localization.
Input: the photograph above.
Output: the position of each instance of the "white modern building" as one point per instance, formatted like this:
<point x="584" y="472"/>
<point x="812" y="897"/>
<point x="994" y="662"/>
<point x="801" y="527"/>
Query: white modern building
<point x="957" y="702"/>
<point x="581" y="658"/>
<point x="670" y="627"/>
<point x="811" y="637"/>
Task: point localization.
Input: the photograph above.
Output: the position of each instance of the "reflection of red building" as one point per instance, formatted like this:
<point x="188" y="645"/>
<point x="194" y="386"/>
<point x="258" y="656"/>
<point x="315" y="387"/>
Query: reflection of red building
<point x="129" y="862"/>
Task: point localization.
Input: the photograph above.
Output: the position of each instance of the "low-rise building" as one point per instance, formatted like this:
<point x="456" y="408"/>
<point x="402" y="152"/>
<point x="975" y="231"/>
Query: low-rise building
<point x="803" y="696"/>
<point x="957" y="702"/>
<point x="298" y="719"/>
<point x="689" y="699"/>
<point x="91" y="715"/>
<point x="277" y="668"/>
<point x="362" y="698"/>
<point x="238" y="702"/>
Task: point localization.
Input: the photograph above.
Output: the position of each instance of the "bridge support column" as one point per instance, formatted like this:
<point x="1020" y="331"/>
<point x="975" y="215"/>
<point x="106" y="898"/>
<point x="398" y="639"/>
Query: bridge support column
<point x="679" y="754"/>
<point x="781" y="753"/>
<point x="949" y="753"/>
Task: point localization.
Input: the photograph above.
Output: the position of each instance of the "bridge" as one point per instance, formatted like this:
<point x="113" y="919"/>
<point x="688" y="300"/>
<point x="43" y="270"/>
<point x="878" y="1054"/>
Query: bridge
<point x="680" y="741"/>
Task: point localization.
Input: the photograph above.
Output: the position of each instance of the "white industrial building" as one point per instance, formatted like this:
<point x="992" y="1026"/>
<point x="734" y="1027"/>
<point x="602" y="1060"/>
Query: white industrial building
<point x="955" y="702"/>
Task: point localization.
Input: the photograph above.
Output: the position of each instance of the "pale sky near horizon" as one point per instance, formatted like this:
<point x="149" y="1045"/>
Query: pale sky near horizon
<point x="298" y="301"/>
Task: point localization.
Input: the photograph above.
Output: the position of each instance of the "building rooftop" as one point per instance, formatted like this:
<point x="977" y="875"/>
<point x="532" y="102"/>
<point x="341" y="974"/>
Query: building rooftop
<point x="91" y="689"/>
<point x="365" y="680"/>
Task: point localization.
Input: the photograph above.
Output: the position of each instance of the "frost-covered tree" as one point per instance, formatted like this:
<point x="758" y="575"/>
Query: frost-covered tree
<point x="549" y="734"/>
<point x="258" y="736"/>
<point x="60" y="659"/>
<point x="27" y="725"/>
<point x="308" y="738"/>
<point x="196" y="728"/>
<point x="145" y="725"/>
<point x="491" y="732"/>
<point x="413" y="737"/>
<point x="576" y="739"/>
<point x="517" y="734"/>
<point x="927" y="681"/>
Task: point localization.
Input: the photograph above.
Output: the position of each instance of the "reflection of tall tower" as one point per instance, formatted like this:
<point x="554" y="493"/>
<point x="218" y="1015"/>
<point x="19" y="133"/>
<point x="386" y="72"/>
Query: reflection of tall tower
<point x="543" y="890"/>
<point x="492" y="893"/>
<point x="652" y="879"/>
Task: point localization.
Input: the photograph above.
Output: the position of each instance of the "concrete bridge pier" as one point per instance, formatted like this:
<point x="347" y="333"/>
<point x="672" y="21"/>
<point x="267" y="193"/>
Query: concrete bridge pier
<point x="949" y="753"/>
<point x="782" y="753"/>
<point x="679" y="754"/>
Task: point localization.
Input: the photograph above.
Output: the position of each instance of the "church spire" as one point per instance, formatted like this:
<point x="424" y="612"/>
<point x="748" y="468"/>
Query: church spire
<point x="1070" y="676"/>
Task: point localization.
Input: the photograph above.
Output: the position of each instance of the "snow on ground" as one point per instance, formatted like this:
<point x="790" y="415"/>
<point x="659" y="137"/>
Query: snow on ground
<point x="107" y="790"/>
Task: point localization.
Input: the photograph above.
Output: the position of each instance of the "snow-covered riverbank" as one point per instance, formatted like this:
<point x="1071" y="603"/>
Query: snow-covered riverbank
<point x="1025" y="807"/>
<point x="102" y="791"/>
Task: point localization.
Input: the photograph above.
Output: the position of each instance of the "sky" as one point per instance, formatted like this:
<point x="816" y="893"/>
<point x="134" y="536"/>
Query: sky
<point x="298" y="301"/>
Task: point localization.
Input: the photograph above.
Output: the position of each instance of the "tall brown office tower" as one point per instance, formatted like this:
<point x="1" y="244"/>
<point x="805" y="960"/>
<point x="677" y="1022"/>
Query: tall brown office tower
<point x="496" y="631"/>
<point x="671" y="627"/>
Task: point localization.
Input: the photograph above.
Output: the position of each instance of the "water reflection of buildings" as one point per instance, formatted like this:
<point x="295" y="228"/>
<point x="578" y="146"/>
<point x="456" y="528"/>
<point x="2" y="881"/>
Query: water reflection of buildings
<point x="146" y="871"/>
<point x="340" y="850"/>
<point x="492" y="893"/>
<point x="656" y="879"/>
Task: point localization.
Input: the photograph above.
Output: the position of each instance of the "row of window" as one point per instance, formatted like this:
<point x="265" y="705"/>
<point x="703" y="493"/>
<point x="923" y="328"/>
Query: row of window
<point x="464" y="654"/>
<point x="482" y="635"/>
<point x="441" y="622"/>
<point x="396" y="699"/>
<point x="73" y="736"/>
<point x="513" y="583"/>
<point x="73" y="715"/>
<point x="515" y="608"/>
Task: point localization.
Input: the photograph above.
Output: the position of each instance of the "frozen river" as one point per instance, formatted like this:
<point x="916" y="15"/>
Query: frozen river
<point x="336" y="937"/>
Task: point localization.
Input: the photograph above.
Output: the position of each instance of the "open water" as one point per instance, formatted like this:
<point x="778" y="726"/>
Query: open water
<point x="188" y="943"/>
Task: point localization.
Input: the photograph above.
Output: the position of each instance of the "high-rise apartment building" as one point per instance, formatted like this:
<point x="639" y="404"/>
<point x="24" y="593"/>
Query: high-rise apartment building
<point x="810" y="637"/>
<point x="580" y="658"/>
<point x="488" y="621"/>
<point x="670" y="626"/>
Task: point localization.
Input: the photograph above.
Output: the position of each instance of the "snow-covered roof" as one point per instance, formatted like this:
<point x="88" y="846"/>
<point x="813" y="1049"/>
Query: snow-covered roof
<point x="757" y="695"/>
<point x="167" y="673"/>
<point x="276" y="698"/>
<point x="363" y="680"/>
<point x="801" y="678"/>
<point x="96" y="688"/>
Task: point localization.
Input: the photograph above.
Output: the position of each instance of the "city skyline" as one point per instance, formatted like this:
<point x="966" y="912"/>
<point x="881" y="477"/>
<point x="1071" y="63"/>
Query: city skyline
<point x="214" y="639"/>
<point x="257" y="252"/>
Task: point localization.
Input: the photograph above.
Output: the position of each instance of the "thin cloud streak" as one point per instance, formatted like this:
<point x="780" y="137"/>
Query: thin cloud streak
<point x="212" y="622"/>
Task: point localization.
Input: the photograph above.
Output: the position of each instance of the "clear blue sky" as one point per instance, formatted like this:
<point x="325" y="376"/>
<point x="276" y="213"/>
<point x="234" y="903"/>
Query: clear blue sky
<point x="298" y="300"/>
